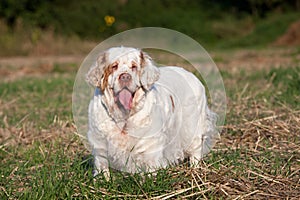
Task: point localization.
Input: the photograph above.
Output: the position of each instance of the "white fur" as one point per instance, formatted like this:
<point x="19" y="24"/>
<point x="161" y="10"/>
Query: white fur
<point x="171" y="120"/>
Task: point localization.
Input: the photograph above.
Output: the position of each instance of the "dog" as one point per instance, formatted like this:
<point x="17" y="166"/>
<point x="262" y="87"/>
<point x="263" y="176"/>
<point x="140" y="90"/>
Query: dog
<point x="142" y="118"/>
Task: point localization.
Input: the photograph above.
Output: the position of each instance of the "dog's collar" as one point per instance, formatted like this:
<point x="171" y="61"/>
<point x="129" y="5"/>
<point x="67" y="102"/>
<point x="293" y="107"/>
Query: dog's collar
<point x="97" y="92"/>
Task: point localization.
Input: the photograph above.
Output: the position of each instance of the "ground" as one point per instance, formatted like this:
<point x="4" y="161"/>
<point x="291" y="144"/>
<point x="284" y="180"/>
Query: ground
<point x="257" y="157"/>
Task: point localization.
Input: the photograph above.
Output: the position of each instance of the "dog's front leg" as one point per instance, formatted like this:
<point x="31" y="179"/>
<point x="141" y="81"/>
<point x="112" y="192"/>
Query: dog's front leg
<point x="99" y="152"/>
<point x="101" y="164"/>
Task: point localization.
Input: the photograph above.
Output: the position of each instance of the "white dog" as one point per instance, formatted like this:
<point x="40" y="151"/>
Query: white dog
<point x="142" y="118"/>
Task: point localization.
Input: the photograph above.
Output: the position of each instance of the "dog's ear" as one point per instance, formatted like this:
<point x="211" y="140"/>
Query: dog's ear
<point x="96" y="71"/>
<point x="149" y="72"/>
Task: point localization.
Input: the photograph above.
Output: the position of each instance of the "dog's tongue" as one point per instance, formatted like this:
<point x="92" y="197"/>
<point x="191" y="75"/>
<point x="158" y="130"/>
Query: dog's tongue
<point x="125" y="98"/>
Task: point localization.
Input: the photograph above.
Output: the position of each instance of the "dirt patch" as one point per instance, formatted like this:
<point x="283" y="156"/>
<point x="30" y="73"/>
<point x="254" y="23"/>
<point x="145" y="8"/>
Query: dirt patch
<point x="291" y="36"/>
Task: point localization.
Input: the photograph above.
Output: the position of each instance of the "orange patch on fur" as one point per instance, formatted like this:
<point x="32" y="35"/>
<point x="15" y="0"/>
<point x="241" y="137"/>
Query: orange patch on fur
<point x="106" y="74"/>
<point x="123" y="132"/>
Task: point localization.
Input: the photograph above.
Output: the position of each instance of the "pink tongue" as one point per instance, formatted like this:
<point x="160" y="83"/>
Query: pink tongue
<point x="125" y="98"/>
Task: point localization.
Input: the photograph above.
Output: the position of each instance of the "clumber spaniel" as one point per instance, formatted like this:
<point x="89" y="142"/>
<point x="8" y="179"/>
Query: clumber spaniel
<point x="142" y="118"/>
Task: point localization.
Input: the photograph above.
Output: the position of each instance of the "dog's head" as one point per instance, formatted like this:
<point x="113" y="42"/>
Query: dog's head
<point x="119" y="73"/>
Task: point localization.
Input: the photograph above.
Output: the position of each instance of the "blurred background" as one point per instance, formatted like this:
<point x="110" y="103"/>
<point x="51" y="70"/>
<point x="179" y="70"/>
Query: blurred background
<point x="64" y="27"/>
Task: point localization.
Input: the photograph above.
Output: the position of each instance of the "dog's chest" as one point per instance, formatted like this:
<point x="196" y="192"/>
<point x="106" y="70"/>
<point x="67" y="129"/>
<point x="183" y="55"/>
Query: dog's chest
<point x="134" y="146"/>
<point x="126" y="152"/>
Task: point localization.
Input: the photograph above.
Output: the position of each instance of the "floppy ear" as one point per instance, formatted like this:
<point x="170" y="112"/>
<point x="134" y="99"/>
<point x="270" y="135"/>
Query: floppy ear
<point x="96" y="72"/>
<point x="149" y="72"/>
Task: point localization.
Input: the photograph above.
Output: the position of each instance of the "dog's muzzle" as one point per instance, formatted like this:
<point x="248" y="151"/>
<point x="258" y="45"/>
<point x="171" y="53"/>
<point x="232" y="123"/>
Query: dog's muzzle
<point x="125" y="80"/>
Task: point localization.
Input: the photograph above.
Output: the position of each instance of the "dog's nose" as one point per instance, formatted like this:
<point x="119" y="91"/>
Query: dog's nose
<point x="125" y="77"/>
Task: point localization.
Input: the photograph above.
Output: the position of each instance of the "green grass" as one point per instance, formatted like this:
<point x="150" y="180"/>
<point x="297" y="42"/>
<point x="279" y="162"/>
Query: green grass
<point x="288" y="83"/>
<point x="58" y="175"/>
<point x="278" y="85"/>
<point x="48" y="171"/>
<point x="257" y="157"/>
<point x="37" y="99"/>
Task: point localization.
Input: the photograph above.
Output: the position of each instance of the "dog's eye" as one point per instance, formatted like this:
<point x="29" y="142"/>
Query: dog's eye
<point x="134" y="67"/>
<point x="114" y="66"/>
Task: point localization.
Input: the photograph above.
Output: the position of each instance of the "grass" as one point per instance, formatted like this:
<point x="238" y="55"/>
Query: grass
<point x="257" y="158"/>
<point x="288" y="83"/>
<point x="36" y="98"/>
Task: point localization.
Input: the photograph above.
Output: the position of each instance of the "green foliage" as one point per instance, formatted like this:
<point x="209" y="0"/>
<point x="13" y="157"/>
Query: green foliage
<point x="35" y="12"/>
<point x="265" y="32"/>
<point x="195" y="18"/>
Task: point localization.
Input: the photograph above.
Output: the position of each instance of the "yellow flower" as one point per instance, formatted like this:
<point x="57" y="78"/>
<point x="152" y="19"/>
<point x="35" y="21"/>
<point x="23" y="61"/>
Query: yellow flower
<point x="109" y="20"/>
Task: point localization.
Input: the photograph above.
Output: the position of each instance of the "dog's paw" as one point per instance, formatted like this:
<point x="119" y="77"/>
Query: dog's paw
<point x="95" y="173"/>
<point x="106" y="174"/>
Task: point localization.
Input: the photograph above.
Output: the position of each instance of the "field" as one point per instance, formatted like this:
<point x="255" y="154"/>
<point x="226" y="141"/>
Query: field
<point x="258" y="156"/>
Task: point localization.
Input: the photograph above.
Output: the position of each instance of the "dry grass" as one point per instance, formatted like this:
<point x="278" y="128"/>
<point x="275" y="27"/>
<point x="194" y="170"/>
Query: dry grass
<point x="258" y="156"/>
<point x="269" y="146"/>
